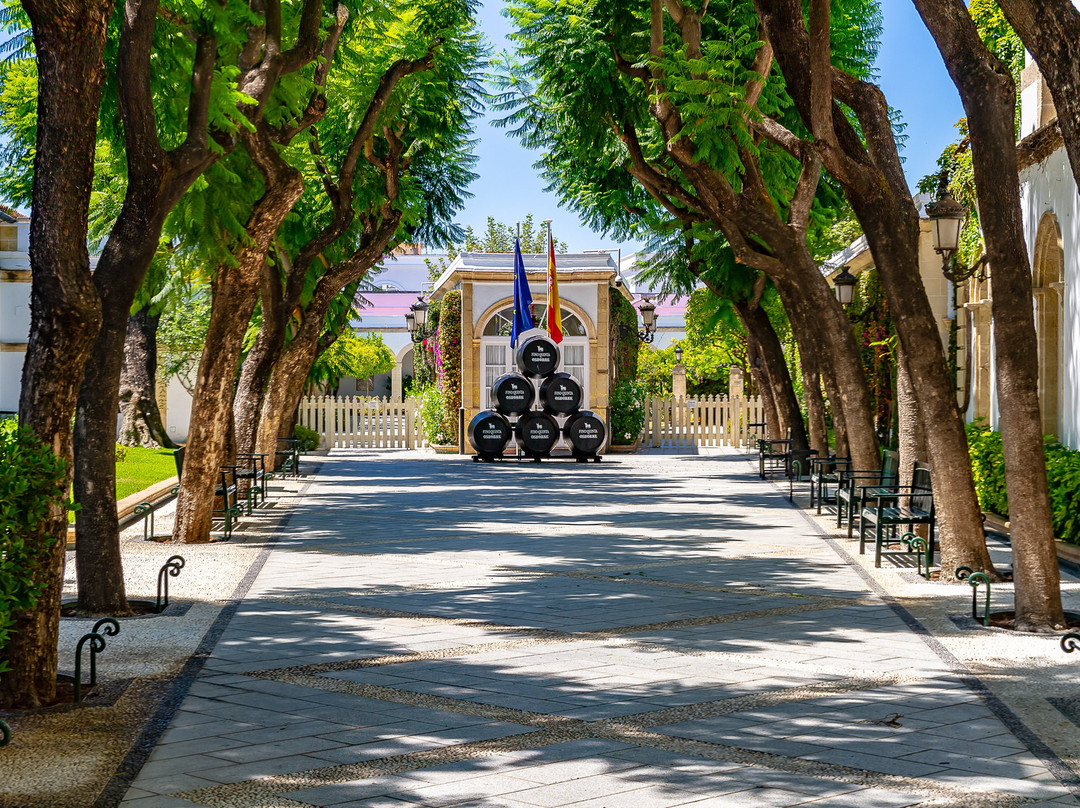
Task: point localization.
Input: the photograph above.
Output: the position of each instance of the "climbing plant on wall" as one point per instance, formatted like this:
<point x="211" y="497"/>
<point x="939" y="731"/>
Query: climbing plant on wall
<point x="448" y="353"/>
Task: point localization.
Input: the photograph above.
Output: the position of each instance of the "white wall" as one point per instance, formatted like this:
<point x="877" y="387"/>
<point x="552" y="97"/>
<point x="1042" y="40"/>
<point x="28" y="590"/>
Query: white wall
<point x="1049" y="188"/>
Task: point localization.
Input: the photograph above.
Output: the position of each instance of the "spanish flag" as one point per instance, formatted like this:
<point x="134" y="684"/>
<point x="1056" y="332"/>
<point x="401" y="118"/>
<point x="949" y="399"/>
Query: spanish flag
<point x="554" y="312"/>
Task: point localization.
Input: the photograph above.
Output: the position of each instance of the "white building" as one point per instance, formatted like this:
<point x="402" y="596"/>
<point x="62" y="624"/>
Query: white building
<point x="14" y="305"/>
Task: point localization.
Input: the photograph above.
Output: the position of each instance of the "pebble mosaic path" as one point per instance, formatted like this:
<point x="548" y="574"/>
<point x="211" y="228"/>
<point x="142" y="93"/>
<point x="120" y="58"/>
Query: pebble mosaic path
<point x="648" y="632"/>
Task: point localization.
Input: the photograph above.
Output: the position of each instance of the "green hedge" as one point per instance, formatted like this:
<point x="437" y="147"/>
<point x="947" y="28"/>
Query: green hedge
<point x="32" y="479"/>
<point x="1062" y="472"/>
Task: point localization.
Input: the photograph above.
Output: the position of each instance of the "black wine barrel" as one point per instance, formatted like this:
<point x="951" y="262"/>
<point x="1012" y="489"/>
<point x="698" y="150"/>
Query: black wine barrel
<point x="489" y="433"/>
<point x="560" y="394"/>
<point x="586" y="434"/>
<point x="537" y="356"/>
<point x="537" y="433"/>
<point x="512" y="394"/>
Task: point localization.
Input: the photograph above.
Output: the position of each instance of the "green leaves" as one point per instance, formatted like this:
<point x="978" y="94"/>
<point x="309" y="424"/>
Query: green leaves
<point x="32" y="484"/>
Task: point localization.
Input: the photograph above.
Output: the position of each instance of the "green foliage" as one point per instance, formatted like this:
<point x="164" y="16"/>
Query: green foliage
<point x="874" y="332"/>
<point x="32" y="483"/>
<point x="1062" y="472"/>
<point x="654" y="370"/>
<point x="627" y="407"/>
<point x="439" y="428"/>
<point x="308" y="439"/>
<point x="350" y="355"/>
<point x="448" y="357"/>
<point x="625" y="344"/>
<point x="988" y="467"/>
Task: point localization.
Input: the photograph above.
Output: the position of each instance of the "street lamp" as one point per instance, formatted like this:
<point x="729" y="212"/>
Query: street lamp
<point x="946" y="217"/>
<point x="844" y="287"/>
<point x="419" y="312"/>
<point x="678" y="354"/>
<point x="410" y="323"/>
<point x="648" y="320"/>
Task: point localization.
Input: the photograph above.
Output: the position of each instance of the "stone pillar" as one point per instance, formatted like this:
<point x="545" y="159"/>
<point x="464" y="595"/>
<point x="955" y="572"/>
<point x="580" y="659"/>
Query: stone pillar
<point x="735" y="383"/>
<point x="678" y="381"/>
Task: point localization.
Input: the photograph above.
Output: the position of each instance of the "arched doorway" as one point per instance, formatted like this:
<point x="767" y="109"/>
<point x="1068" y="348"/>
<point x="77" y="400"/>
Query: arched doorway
<point x="496" y="357"/>
<point x="1048" y="287"/>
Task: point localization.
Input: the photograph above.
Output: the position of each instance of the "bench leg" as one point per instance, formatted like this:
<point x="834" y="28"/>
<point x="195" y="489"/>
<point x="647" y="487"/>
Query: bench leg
<point x="877" y="544"/>
<point x="839" y="511"/>
<point x="862" y="535"/>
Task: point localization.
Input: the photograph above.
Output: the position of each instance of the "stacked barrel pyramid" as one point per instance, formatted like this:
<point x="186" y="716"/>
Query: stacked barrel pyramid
<point x="537" y="419"/>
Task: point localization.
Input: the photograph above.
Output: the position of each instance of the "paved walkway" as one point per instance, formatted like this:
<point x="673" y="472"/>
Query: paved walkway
<point x="647" y="632"/>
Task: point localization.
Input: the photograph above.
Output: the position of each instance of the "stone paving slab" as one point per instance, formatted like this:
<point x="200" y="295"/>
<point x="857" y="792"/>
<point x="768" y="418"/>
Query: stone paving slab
<point x="654" y="631"/>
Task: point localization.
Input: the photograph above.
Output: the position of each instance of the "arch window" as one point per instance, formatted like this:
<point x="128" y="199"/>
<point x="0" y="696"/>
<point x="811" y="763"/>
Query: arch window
<point x="498" y="358"/>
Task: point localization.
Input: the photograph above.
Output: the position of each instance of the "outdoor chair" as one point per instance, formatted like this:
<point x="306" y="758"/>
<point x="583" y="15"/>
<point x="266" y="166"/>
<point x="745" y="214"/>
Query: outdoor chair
<point x="224" y="490"/>
<point x="900" y="506"/>
<point x="859" y="485"/>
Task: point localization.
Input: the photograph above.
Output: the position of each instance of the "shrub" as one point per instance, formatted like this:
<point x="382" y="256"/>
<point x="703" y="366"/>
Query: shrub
<point x="32" y="480"/>
<point x="627" y="413"/>
<point x="1062" y="473"/>
<point x="309" y="439"/>
<point x="439" y="428"/>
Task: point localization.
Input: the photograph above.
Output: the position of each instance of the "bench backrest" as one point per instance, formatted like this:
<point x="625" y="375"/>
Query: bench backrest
<point x="178" y="458"/>
<point x="890" y="466"/>
<point x="920" y="480"/>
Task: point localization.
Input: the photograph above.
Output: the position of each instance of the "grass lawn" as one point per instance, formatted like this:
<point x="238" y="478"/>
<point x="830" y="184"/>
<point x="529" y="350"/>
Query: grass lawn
<point x="140" y="468"/>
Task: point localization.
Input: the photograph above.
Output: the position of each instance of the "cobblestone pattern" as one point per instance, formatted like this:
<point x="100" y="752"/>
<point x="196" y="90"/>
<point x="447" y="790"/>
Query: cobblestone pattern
<point x="652" y="632"/>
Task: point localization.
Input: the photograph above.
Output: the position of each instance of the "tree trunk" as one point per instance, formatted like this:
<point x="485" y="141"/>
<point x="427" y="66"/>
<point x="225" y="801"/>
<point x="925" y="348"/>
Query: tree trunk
<point x="259" y="363"/>
<point x="156" y="181"/>
<point x="234" y="291"/>
<point x="764" y="385"/>
<point x="1050" y="30"/>
<point x="815" y="407"/>
<point x="867" y="166"/>
<point x="287" y="386"/>
<point x="912" y="434"/>
<point x="233" y="294"/>
<point x="789" y="415"/>
<point x="140" y="416"/>
<point x="989" y="95"/>
<point x="824" y="332"/>
<point x="65" y="311"/>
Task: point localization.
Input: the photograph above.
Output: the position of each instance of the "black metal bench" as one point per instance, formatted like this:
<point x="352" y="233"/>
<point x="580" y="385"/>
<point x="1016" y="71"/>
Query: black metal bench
<point x="288" y="454"/>
<point x="253" y="471"/>
<point x="224" y="490"/>
<point x="900" y="506"/>
<point x="826" y="471"/>
<point x="859" y="485"/>
<point x="774" y="456"/>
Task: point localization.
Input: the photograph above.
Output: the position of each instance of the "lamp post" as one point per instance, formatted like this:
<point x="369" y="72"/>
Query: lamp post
<point x="844" y="287"/>
<point x="678" y="354"/>
<point x="648" y="320"/>
<point x="946" y="217"/>
<point x="419" y="311"/>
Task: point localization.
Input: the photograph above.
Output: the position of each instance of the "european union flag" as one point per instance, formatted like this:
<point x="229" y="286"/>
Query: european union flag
<point x="523" y="319"/>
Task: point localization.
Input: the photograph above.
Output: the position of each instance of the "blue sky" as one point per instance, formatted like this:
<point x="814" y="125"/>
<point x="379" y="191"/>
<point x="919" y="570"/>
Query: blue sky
<point x="911" y="74"/>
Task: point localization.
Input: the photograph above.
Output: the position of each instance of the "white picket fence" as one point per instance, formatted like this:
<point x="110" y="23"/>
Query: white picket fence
<point x="379" y="423"/>
<point x="702" y="421"/>
<point x="362" y="423"/>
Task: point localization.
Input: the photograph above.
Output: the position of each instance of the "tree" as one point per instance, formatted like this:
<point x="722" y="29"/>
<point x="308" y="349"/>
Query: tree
<point x="988" y="92"/>
<point x="1050" y="30"/>
<point x="65" y="309"/>
<point x="679" y="98"/>
<point x="866" y="164"/>
<point x="409" y="120"/>
<point x="275" y="119"/>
